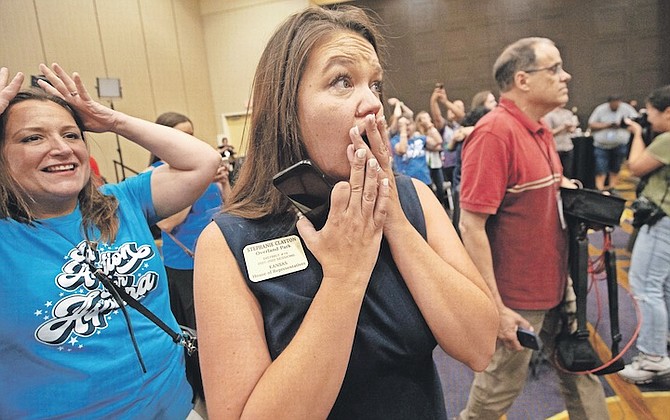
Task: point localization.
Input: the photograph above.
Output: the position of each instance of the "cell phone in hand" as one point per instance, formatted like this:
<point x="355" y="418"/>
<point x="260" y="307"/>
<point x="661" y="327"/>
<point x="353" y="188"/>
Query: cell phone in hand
<point x="528" y="339"/>
<point x="308" y="189"/>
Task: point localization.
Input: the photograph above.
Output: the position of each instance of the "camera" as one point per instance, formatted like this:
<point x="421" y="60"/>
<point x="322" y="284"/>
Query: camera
<point x="640" y="119"/>
<point x="645" y="212"/>
<point x="35" y="79"/>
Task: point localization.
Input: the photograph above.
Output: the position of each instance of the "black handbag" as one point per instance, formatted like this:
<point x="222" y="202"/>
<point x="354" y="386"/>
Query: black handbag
<point x="646" y="212"/>
<point x="592" y="206"/>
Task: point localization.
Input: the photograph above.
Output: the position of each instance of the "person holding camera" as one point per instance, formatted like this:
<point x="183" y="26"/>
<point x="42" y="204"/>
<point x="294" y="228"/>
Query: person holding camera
<point x="610" y="139"/>
<point x="563" y="123"/>
<point x="649" y="272"/>
<point x="511" y="225"/>
<point x="72" y="254"/>
<point x="340" y="322"/>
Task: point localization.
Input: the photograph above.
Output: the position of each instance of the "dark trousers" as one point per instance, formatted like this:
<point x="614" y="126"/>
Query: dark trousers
<point x="437" y="177"/>
<point x="180" y="285"/>
<point x="568" y="162"/>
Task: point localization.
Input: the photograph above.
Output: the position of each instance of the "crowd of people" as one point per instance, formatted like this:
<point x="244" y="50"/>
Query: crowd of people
<point x="294" y="320"/>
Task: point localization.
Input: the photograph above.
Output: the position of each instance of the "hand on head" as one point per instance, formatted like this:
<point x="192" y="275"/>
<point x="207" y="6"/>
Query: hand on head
<point x="96" y="117"/>
<point x="8" y="89"/>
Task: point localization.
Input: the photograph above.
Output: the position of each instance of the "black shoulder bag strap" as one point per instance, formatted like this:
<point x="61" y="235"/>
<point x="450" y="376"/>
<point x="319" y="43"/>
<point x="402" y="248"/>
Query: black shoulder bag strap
<point x="186" y="338"/>
<point x="179" y="243"/>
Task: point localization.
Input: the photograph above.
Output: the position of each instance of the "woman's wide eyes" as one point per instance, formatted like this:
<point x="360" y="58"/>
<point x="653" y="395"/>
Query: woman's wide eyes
<point x="342" y="81"/>
<point x="377" y="87"/>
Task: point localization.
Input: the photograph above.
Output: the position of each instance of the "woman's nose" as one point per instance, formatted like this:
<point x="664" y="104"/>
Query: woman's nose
<point x="59" y="146"/>
<point x="370" y="103"/>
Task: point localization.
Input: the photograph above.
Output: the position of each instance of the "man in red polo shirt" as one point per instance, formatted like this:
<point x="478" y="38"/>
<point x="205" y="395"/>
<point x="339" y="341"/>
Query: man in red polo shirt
<point x="512" y="228"/>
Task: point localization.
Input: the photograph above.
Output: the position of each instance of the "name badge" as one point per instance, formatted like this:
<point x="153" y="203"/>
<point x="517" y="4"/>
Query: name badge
<point x="274" y="258"/>
<point x="561" y="216"/>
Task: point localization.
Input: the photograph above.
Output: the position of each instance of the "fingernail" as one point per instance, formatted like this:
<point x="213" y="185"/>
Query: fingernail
<point x="385" y="182"/>
<point x="373" y="163"/>
<point x="356" y="130"/>
<point x="360" y="153"/>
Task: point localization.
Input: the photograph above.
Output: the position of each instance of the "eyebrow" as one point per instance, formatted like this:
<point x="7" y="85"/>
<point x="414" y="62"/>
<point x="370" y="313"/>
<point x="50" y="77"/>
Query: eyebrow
<point x="344" y="60"/>
<point x="41" y="129"/>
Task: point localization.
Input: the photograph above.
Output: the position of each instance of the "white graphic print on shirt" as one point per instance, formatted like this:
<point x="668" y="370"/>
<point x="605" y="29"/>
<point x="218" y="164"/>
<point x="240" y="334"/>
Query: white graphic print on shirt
<point x="89" y="305"/>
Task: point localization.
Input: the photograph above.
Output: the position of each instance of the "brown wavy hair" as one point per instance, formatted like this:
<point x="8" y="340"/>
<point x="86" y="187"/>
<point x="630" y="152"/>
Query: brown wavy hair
<point x="275" y="140"/>
<point x="97" y="209"/>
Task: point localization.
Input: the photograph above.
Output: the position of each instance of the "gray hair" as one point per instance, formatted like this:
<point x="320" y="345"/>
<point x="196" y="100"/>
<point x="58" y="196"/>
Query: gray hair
<point x="517" y="56"/>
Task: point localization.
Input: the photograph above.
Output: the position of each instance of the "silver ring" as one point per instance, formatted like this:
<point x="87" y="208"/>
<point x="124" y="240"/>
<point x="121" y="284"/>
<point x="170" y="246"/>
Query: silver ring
<point x="74" y="93"/>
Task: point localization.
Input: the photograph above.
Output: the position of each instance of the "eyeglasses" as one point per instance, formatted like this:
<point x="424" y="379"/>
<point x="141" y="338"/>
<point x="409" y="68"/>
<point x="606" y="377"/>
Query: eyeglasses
<point x="555" y="69"/>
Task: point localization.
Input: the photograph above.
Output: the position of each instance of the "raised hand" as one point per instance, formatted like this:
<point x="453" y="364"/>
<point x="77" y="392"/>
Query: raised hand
<point x="95" y="116"/>
<point x="377" y="133"/>
<point x="348" y="245"/>
<point x="8" y="90"/>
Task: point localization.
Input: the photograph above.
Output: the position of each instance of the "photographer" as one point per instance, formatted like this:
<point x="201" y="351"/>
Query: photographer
<point x="649" y="272"/>
<point x="610" y="139"/>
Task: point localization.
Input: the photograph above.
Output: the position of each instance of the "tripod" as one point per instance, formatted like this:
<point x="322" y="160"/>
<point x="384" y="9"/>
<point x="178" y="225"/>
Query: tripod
<point x="576" y="347"/>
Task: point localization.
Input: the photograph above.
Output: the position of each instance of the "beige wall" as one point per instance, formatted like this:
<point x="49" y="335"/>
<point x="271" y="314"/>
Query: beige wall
<point x="156" y="48"/>
<point x="235" y="33"/>
<point x="197" y="57"/>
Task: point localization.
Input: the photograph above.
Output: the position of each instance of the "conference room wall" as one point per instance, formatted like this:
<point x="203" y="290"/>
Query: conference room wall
<point x="236" y="32"/>
<point x="609" y="46"/>
<point x="155" y="47"/>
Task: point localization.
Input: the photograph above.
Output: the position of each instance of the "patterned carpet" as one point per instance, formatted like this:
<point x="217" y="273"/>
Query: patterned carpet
<point x="541" y="398"/>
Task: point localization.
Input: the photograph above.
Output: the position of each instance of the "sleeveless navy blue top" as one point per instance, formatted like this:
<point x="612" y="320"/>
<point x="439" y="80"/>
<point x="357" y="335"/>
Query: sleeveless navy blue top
<point x="391" y="374"/>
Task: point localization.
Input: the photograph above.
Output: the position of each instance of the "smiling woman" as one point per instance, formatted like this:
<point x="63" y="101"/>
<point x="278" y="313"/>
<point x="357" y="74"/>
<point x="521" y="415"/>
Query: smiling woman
<point x="59" y="321"/>
<point x="50" y="159"/>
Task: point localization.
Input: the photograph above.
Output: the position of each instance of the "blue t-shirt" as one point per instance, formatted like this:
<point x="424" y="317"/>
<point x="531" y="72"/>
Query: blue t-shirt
<point x="413" y="162"/>
<point x="65" y="349"/>
<point x="189" y="230"/>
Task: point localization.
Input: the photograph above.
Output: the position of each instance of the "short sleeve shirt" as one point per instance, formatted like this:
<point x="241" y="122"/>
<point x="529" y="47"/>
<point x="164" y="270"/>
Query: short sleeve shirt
<point x="511" y="171"/>
<point x="657" y="186"/>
